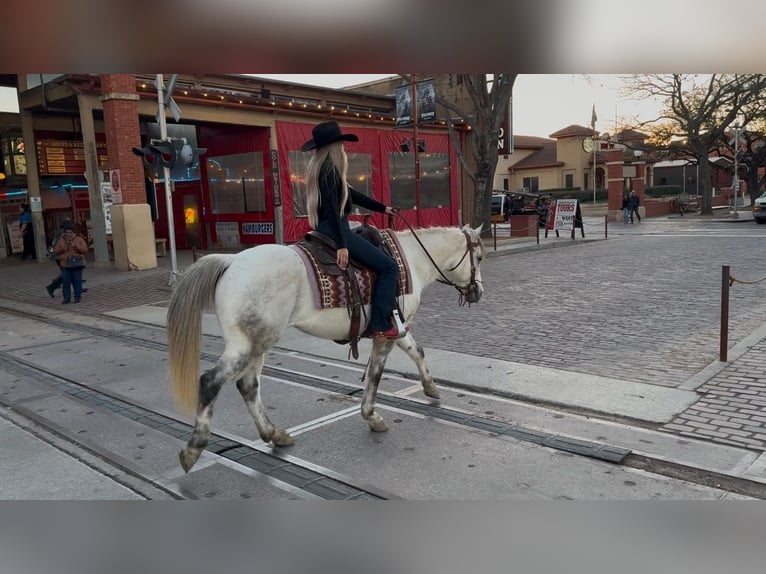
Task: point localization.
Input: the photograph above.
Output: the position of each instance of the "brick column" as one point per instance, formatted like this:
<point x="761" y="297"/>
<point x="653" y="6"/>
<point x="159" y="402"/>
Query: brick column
<point x="614" y="164"/>
<point x="132" y="227"/>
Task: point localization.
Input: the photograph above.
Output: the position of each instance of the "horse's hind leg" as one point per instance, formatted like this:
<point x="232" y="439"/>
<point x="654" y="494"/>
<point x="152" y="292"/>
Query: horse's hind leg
<point x="210" y="384"/>
<point x="250" y="389"/>
<point x="380" y="349"/>
<point x="415" y="352"/>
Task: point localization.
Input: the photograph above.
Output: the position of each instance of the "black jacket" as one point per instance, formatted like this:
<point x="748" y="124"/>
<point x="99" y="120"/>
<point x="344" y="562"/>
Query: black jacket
<point x="330" y="193"/>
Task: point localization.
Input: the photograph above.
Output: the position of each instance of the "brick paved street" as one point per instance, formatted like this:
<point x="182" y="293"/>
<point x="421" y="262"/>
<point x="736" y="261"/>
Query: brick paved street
<point x="639" y="306"/>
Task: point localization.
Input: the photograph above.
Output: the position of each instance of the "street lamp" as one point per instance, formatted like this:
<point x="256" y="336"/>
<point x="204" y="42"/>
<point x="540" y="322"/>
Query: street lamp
<point x="737" y="129"/>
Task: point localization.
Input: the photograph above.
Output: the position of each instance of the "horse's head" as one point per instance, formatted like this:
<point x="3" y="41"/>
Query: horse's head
<point x="466" y="275"/>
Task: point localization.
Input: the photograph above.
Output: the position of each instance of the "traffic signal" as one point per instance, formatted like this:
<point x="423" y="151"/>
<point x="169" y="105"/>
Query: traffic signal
<point x="176" y="152"/>
<point x="167" y="152"/>
<point x="149" y="158"/>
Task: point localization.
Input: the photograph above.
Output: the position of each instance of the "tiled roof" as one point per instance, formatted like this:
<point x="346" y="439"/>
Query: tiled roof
<point x="544" y="157"/>
<point x="573" y="131"/>
<point x="529" y="142"/>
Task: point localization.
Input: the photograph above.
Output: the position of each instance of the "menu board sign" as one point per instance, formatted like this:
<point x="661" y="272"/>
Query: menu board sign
<point x="66" y="157"/>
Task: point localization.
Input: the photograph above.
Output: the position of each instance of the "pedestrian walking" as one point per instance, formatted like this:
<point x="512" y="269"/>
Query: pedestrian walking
<point x="56" y="258"/>
<point x="634" y="203"/>
<point x="625" y="208"/>
<point x="27" y="232"/>
<point x="71" y="249"/>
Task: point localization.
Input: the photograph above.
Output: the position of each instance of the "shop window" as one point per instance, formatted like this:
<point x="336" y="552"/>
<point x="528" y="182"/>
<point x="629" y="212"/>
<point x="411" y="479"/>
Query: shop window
<point x="434" y="180"/>
<point x="569" y="181"/>
<point x="359" y="176"/>
<point x="236" y="183"/>
<point x="532" y="184"/>
<point x="14" y="160"/>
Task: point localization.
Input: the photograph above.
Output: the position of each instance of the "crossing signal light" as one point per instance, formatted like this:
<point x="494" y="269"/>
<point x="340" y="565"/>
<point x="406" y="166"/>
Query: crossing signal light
<point x="167" y="153"/>
<point x="149" y="158"/>
<point x="176" y="152"/>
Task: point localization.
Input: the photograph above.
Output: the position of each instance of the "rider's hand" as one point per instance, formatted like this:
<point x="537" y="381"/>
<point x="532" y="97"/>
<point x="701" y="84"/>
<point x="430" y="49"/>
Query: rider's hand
<point x="342" y="258"/>
<point x="391" y="210"/>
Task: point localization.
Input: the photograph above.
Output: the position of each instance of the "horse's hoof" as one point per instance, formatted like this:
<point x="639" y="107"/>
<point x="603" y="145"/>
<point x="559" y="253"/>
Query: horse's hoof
<point x="188" y="458"/>
<point x="282" y="438"/>
<point x="377" y="424"/>
<point x="429" y="390"/>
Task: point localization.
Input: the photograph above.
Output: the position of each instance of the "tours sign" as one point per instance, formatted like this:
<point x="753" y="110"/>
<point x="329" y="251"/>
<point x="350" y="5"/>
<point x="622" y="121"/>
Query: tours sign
<point x="565" y="215"/>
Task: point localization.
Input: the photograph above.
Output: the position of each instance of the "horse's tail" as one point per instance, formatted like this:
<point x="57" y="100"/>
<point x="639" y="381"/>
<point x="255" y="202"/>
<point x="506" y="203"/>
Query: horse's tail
<point x="193" y="293"/>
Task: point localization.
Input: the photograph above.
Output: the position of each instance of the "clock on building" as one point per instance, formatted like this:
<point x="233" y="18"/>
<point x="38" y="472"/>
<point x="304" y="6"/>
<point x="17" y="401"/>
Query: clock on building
<point x="587" y="145"/>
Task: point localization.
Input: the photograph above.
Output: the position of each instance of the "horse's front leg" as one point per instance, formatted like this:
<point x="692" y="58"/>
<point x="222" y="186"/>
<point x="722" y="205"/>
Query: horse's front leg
<point x="381" y="347"/>
<point x="415" y="352"/>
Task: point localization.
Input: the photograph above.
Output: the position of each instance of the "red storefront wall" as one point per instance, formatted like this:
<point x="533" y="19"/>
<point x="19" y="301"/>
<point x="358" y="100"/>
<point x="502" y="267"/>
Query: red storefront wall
<point x="379" y="143"/>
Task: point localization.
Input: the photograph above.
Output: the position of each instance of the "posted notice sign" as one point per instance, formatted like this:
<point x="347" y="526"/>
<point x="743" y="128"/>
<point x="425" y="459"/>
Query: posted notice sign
<point x="565" y="215"/>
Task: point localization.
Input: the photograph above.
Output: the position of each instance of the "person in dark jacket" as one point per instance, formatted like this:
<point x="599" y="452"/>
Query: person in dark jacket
<point x="634" y="203"/>
<point x="329" y="200"/>
<point x="625" y="208"/>
<point x="27" y="232"/>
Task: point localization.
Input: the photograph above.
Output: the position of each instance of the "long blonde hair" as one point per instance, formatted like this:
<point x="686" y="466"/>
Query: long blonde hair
<point x="336" y="155"/>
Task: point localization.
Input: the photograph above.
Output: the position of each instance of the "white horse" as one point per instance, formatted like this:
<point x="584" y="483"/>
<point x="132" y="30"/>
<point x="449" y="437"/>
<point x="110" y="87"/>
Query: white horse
<point x="259" y="292"/>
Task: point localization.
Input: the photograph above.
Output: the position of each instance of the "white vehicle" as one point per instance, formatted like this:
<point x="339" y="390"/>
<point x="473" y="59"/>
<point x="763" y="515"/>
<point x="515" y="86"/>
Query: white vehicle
<point x="759" y="209"/>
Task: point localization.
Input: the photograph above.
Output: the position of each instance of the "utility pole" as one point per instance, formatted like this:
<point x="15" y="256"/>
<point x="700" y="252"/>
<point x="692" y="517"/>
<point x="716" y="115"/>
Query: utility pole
<point x="168" y="183"/>
<point x="736" y="167"/>
<point x="416" y="151"/>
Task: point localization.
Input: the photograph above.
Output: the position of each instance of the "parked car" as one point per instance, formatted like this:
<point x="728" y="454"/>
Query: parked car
<point x="759" y="209"/>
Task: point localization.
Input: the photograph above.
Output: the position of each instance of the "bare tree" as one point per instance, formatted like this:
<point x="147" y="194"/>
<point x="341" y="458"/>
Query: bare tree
<point x="699" y="111"/>
<point x="751" y="157"/>
<point x="490" y="96"/>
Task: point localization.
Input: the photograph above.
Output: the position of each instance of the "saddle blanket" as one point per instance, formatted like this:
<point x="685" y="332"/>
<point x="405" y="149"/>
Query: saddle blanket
<point x="330" y="291"/>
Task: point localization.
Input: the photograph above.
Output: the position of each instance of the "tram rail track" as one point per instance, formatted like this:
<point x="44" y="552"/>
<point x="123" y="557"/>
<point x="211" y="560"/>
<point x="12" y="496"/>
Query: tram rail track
<point x="305" y="476"/>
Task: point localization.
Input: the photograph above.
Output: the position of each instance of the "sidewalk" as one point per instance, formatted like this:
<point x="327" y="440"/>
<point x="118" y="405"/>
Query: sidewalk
<point x="139" y="297"/>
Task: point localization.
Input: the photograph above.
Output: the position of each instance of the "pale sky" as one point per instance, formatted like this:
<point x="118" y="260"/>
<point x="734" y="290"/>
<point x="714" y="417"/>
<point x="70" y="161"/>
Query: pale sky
<point x="542" y="103"/>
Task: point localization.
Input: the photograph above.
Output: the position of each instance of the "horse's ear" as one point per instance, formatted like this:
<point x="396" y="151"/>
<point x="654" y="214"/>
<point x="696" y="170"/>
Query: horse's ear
<point x="477" y="231"/>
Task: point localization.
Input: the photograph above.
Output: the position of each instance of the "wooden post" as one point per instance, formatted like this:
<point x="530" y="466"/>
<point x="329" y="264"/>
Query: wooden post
<point x="606" y="226"/>
<point x="724" y="350"/>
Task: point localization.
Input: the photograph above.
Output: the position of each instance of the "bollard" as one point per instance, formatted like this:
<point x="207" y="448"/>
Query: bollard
<point x="724" y="350"/>
<point x="537" y="231"/>
<point x="494" y="236"/>
<point x="606" y="226"/>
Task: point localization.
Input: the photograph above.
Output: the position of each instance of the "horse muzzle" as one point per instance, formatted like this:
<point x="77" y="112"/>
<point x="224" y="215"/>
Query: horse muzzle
<point x="472" y="293"/>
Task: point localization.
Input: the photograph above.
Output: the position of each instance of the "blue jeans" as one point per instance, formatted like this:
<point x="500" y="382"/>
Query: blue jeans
<point x="626" y="214"/>
<point x="386" y="271"/>
<point x="72" y="278"/>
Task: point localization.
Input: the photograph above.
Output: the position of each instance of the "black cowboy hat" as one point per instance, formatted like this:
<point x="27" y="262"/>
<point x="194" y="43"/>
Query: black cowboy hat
<point x="327" y="133"/>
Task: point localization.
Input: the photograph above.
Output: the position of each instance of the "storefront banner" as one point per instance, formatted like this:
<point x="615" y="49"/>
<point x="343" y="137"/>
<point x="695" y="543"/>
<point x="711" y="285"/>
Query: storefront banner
<point x="426" y="95"/>
<point x="258" y="228"/>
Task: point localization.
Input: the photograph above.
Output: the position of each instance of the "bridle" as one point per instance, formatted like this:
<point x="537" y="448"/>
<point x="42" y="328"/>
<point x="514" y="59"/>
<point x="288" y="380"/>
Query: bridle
<point x="466" y="293"/>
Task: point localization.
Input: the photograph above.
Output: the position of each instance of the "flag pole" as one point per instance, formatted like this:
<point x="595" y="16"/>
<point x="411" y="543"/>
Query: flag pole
<point x="593" y="128"/>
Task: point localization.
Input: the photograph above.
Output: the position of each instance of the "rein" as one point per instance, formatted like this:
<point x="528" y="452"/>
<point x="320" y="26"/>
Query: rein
<point x="463" y="291"/>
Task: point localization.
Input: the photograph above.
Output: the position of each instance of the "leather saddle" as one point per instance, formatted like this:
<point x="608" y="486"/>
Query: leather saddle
<point x="323" y="249"/>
